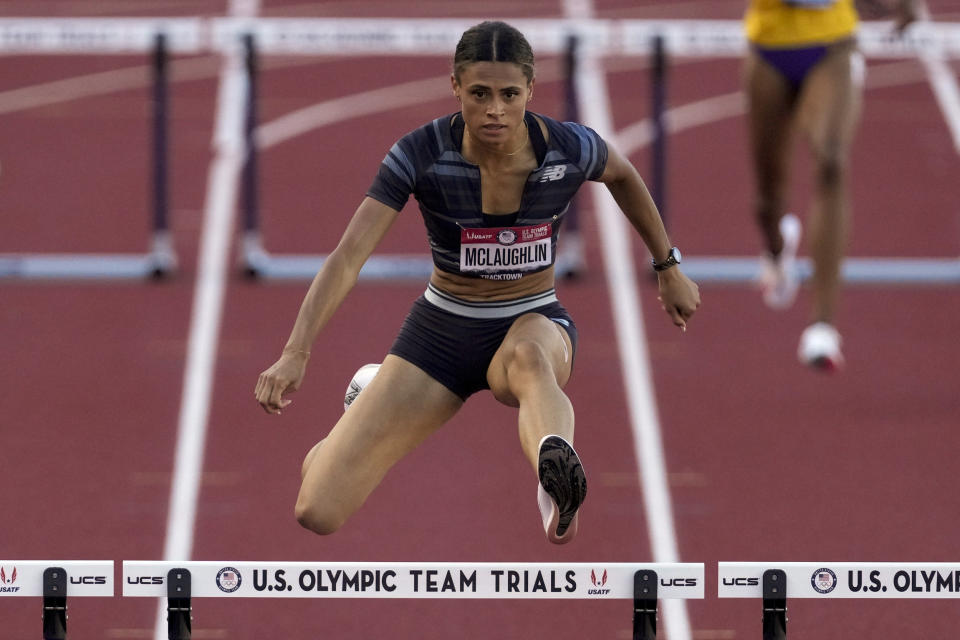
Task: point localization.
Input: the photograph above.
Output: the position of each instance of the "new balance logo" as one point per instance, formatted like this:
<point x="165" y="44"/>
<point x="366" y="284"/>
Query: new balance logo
<point x="556" y="172"/>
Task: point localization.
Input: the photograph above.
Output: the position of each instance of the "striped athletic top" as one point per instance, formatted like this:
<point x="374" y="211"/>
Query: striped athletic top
<point x="427" y="164"/>
<point x="799" y="23"/>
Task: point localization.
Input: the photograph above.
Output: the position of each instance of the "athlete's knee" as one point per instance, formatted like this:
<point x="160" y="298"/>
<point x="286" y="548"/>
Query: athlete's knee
<point x="318" y="517"/>
<point x="528" y="358"/>
<point x="831" y="166"/>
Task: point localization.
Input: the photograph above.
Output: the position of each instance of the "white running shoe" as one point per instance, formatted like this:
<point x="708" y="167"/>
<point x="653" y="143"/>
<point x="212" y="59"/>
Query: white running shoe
<point x="562" y="488"/>
<point x="778" y="275"/>
<point x="820" y="347"/>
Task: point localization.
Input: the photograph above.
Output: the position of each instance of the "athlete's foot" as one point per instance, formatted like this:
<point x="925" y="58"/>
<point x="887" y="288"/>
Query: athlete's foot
<point x="820" y="347"/>
<point x="562" y="488"/>
<point x="778" y="274"/>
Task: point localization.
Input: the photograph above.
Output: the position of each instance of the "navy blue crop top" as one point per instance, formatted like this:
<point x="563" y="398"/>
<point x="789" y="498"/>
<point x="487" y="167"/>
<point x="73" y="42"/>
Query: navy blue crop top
<point x="427" y="164"/>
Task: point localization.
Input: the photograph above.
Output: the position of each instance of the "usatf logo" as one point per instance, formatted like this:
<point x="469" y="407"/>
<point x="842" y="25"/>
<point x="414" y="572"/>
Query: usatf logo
<point x="7" y="579"/>
<point x="824" y="580"/>
<point x="507" y="236"/>
<point x="228" y="579"/>
<point x="598" y="581"/>
<point x="556" y="172"/>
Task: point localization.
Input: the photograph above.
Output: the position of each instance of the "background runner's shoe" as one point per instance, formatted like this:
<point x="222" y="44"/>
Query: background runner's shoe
<point x="778" y="275"/>
<point x="820" y="347"/>
<point x="562" y="488"/>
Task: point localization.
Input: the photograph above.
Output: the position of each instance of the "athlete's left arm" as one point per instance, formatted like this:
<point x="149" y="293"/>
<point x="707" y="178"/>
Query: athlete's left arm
<point x="904" y="12"/>
<point x="679" y="295"/>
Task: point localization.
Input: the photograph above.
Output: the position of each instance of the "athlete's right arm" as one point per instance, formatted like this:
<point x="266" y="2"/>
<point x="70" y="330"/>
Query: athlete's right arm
<point x="331" y="285"/>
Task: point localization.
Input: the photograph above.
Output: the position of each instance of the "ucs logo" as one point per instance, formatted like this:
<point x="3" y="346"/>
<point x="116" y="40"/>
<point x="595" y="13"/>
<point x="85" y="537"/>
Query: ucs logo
<point x="741" y="582"/>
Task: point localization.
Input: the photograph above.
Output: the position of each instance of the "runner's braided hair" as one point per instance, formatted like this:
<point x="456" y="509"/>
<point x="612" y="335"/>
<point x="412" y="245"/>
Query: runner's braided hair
<point x="493" y="42"/>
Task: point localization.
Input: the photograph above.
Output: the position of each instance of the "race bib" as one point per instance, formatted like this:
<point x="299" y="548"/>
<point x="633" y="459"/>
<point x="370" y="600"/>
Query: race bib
<point x="496" y="253"/>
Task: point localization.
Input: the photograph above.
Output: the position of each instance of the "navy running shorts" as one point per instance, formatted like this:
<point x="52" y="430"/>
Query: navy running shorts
<point x="454" y="340"/>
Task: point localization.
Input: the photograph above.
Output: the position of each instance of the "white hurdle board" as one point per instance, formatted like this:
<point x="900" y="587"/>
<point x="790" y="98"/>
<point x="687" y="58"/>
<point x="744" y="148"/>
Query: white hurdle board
<point x="84" y="577"/>
<point x="843" y="579"/>
<point x="242" y="579"/>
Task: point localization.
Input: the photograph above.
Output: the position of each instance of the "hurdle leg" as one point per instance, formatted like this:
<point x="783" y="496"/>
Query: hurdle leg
<point x="179" y="608"/>
<point x="163" y="259"/>
<point x="774" y="604"/>
<point x="54" y="603"/>
<point x="645" y="605"/>
<point x="252" y="254"/>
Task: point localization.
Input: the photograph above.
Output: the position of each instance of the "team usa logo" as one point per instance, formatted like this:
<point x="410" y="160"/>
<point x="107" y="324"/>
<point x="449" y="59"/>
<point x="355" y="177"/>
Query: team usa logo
<point x="824" y="580"/>
<point x="228" y="579"/>
<point x="507" y="236"/>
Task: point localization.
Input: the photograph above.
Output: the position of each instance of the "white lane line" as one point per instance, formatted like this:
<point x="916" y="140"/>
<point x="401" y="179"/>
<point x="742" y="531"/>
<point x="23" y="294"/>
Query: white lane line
<point x="944" y="85"/>
<point x="615" y="235"/>
<point x="593" y="97"/>
<point x="208" y="295"/>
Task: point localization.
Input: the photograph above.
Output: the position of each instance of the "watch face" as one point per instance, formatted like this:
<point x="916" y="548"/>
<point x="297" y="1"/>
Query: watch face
<point x="675" y="254"/>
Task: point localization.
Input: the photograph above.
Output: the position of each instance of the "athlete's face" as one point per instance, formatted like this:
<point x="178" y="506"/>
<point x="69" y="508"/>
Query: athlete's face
<point x="494" y="97"/>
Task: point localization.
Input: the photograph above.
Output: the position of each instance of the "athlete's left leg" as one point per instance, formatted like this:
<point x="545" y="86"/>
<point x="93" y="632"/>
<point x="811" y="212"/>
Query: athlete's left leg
<point x="829" y="110"/>
<point x="529" y="371"/>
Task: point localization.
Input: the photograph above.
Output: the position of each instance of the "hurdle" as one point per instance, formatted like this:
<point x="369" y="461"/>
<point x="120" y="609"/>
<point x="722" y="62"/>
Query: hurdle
<point x="643" y="584"/>
<point x="157" y="38"/>
<point x="656" y="40"/>
<point x="774" y="582"/>
<point x="55" y="581"/>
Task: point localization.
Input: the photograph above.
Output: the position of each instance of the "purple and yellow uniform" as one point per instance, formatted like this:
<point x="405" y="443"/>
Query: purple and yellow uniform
<point x="793" y="35"/>
<point x="452" y="339"/>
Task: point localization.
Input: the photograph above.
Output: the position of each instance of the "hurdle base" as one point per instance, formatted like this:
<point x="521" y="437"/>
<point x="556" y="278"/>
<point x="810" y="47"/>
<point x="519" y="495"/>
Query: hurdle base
<point x="160" y="262"/>
<point x="905" y="271"/>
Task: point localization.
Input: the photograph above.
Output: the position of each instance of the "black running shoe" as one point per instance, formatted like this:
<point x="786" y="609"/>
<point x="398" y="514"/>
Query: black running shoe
<point x="562" y="488"/>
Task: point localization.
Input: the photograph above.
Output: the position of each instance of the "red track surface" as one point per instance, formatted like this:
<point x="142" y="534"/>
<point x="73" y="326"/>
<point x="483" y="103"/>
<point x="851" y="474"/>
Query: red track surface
<point x="768" y="461"/>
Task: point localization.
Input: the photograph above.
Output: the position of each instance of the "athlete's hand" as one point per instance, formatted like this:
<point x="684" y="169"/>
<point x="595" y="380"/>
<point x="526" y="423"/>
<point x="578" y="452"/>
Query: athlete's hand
<point x="285" y="376"/>
<point x="904" y="14"/>
<point x="679" y="296"/>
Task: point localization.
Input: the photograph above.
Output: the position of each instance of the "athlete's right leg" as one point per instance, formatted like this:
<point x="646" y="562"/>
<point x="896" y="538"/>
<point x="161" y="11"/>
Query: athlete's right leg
<point x="394" y="414"/>
<point x="770" y="102"/>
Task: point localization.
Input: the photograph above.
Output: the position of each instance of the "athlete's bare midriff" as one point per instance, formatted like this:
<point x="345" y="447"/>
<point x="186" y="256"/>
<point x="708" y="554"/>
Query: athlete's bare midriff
<point x="481" y="289"/>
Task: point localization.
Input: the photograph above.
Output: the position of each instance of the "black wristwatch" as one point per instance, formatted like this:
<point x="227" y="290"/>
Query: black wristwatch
<point x="673" y="258"/>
